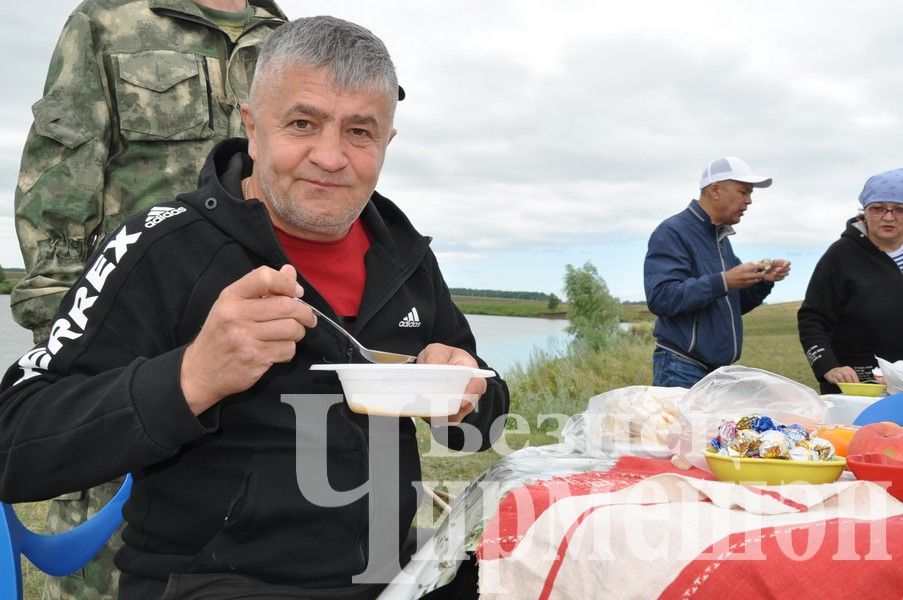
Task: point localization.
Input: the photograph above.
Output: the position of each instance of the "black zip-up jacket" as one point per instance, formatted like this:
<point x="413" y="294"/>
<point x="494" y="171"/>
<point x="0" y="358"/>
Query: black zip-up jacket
<point x="218" y="492"/>
<point x="852" y="309"/>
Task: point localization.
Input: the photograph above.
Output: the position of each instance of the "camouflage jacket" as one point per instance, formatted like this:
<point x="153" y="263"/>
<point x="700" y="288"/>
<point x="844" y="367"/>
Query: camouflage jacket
<point x="137" y="93"/>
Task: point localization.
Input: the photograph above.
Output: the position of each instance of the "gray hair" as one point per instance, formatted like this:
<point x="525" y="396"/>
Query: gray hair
<point x="356" y="58"/>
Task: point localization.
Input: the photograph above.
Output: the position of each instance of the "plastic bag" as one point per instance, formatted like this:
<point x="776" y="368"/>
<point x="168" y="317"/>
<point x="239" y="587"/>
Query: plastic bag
<point x="631" y="420"/>
<point x="731" y="392"/>
<point x="893" y="375"/>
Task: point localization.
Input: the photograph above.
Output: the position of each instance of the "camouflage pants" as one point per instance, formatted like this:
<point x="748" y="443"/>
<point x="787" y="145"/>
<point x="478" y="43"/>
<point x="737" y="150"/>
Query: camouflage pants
<point x="99" y="579"/>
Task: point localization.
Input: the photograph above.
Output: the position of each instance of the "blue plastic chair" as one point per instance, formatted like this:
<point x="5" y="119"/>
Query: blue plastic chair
<point x="886" y="409"/>
<point x="57" y="554"/>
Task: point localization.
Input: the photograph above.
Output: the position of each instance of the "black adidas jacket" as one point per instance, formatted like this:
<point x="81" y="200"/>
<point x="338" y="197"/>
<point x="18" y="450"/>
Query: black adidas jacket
<point x="852" y="309"/>
<point x="218" y="493"/>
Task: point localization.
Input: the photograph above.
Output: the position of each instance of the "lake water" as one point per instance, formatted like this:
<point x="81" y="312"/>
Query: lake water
<point x="14" y="340"/>
<point x="504" y="341"/>
<point x="501" y="341"/>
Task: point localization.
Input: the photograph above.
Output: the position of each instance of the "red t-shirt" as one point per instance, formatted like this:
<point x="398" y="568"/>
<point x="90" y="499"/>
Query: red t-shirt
<point x="336" y="268"/>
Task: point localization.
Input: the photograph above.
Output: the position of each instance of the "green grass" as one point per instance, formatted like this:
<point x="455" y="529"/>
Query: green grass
<point x="505" y="307"/>
<point x="511" y="307"/>
<point x="32" y="514"/>
<point x="14" y="275"/>
<point x="771" y="342"/>
<point x="562" y="386"/>
<point x="636" y="313"/>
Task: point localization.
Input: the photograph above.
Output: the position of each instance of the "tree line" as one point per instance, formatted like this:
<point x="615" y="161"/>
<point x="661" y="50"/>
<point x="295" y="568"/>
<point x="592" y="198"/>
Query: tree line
<point x="507" y="295"/>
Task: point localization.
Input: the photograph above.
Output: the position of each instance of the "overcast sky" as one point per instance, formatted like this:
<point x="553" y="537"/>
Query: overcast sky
<point x="537" y="134"/>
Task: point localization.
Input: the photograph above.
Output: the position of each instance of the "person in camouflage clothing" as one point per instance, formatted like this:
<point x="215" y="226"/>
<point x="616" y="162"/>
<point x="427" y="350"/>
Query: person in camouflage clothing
<point x="137" y="93"/>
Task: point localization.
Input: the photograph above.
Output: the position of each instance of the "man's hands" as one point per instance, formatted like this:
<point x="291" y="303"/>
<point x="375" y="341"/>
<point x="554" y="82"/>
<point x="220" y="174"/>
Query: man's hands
<point x="779" y="269"/>
<point x="841" y="375"/>
<point x="440" y="354"/>
<point x="254" y="324"/>
<point x="747" y="274"/>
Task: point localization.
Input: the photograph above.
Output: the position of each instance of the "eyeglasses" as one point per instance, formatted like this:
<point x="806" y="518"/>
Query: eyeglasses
<point x="878" y="210"/>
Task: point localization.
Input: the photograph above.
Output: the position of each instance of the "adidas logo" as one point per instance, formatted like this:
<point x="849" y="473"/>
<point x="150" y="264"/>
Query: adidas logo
<point x="412" y="319"/>
<point x="160" y="213"/>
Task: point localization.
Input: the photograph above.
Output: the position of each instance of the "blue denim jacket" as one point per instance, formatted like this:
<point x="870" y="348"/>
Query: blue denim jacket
<point x="687" y="290"/>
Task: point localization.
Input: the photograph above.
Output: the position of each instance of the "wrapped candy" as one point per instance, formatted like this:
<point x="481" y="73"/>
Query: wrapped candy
<point x="746" y="443"/>
<point x="774" y="444"/>
<point x="757" y="423"/>
<point x="821" y="448"/>
<point x="759" y="436"/>
<point x="800" y="452"/>
<point x="795" y="433"/>
<point x="727" y="431"/>
<point x="746" y="421"/>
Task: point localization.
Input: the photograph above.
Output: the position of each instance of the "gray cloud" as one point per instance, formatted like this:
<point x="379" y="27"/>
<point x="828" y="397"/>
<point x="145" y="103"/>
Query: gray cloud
<point x="541" y="125"/>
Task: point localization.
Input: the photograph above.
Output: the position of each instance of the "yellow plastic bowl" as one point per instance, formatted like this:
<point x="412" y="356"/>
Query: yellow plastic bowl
<point x="774" y="471"/>
<point x="862" y="389"/>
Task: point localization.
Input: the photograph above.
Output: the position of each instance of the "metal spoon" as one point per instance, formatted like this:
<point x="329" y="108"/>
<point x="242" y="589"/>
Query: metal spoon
<point x="374" y="356"/>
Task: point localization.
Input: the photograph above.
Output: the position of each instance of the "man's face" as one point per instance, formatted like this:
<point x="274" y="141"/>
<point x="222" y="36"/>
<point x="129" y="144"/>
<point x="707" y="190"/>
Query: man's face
<point x="317" y="152"/>
<point x="730" y="201"/>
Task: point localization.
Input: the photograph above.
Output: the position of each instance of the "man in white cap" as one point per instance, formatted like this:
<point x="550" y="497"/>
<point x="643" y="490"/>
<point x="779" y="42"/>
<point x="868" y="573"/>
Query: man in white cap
<point x="696" y="285"/>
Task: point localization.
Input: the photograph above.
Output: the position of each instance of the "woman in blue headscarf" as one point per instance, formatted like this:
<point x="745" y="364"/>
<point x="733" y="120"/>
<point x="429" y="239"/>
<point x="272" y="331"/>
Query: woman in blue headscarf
<point x="853" y="308"/>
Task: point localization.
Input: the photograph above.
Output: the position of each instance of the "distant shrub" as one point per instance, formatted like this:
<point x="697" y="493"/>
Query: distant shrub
<point x="594" y="314"/>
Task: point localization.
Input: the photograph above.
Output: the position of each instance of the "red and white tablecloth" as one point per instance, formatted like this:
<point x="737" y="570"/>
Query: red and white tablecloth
<point x="645" y="529"/>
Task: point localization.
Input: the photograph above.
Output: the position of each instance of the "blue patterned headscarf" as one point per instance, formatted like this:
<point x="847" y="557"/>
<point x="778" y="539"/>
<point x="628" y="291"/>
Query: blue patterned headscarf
<point x="883" y="187"/>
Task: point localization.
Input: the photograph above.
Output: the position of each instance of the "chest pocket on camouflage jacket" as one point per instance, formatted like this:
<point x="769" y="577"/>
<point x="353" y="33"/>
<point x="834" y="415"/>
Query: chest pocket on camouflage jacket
<point x="162" y="95"/>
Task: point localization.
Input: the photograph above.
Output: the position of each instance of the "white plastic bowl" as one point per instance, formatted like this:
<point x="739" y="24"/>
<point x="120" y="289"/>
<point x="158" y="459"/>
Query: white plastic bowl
<point x="416" y="390"/>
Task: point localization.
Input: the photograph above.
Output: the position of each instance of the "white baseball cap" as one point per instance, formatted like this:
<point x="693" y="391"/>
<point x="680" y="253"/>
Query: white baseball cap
<point x="731" y="167"/>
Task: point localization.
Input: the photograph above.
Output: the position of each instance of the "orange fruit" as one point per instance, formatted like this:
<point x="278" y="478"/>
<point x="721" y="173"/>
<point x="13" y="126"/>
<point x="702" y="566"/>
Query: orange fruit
<point x="839" y="437"/>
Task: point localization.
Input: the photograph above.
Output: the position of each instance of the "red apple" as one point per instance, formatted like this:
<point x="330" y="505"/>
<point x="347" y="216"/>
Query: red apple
<point x="882" y="438"/>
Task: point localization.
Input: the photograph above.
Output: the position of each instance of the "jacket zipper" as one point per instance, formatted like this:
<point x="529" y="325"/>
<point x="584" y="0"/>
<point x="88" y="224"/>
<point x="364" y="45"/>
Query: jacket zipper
<point x="693" y="336"/>
<point x="209" y="94"/>
<point x="403" y="276"/>
<point x="364" y="525"/>
<point x="727" y="298"/>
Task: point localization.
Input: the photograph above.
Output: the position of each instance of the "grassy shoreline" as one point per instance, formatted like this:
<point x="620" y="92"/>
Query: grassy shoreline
<point x="506" y="307"/>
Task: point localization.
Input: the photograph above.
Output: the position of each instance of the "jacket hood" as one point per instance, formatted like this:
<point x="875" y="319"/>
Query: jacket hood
<point x="220" y="200"/>
<point x="856" y="232"/>
<point x="854" y="227"/>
